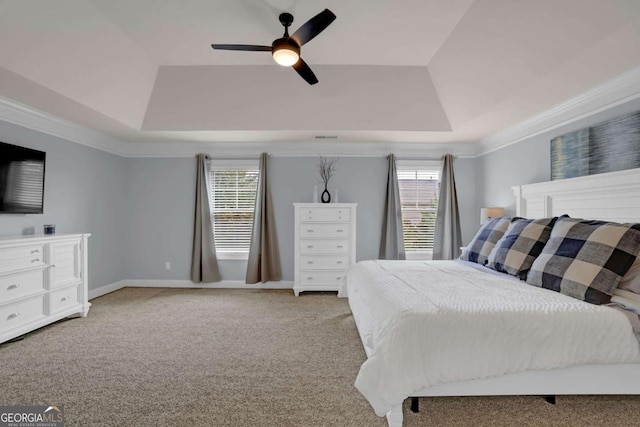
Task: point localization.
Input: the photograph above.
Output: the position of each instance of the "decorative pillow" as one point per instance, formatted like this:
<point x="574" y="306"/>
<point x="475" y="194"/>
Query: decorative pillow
<point x="520" y="245"/>
<point x="480" y="247"/>
<point x="586" y="259"/>
<point x="629" y="300"/>
<point x="631" y="281"/>
<point x="627" y="295"/>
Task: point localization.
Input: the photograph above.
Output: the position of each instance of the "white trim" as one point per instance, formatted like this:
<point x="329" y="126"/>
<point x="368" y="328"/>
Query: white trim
<point x="105" y="289"/>
<point x="302" y="149"/>
<point x="622" y="89"/>
<point x="426" y="254"/>
<point x="234" y="256"/>
<point x="234" y="164"/>
<point x="23" y="115"/>
<point x="419" y="164"/>
<point x="223" y="284"/>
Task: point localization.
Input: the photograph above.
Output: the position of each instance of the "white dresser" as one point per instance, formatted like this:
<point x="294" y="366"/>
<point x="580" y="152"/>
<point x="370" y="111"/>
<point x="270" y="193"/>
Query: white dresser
<point x="42" y="280"/>
<point x="325" y="245"/>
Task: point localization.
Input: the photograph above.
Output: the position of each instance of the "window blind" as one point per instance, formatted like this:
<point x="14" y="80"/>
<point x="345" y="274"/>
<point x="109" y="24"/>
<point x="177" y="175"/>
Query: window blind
<point x="233" y="195"/>
<point x="419" y="189"/>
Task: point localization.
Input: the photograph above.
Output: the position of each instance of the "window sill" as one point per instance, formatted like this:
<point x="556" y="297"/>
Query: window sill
<point x="238" y="256"/>
<point x="419" y="255"/>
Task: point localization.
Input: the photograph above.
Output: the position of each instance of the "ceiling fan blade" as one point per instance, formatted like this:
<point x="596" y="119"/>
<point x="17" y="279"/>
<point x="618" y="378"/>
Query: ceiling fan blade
<point x="247" y="47"/>
<point x="313" y="27"/>
<point x="305" y="72"/>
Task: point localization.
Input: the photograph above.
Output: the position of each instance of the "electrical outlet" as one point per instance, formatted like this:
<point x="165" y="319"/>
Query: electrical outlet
<point x="167" y="265"/>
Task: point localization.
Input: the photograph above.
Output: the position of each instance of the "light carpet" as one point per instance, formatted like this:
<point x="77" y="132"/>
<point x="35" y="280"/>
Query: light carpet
<point x="222" y="357"/>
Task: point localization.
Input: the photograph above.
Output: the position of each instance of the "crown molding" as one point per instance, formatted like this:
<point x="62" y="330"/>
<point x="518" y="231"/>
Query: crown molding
<point x="622" y="89"/>
<point x="25" y="116"/>
<point x="301" y="149"/>
<point x="22" y="115"/>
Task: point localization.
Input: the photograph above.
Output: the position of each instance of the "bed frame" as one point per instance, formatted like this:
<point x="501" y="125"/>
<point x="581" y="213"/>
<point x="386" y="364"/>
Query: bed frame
<point x="612" y="196"/>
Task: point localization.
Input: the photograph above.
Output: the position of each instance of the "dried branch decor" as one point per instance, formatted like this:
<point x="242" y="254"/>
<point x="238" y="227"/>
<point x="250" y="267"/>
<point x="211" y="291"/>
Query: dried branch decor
<point x="327" y="168"/>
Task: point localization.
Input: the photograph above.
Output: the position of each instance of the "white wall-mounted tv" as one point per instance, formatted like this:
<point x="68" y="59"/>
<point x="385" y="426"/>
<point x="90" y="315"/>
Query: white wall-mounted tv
<point x="21" y="180"/>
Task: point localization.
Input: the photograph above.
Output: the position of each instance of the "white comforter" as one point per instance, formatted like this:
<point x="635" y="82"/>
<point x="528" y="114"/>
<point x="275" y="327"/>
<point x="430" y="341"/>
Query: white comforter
<point x="428" y="323"/>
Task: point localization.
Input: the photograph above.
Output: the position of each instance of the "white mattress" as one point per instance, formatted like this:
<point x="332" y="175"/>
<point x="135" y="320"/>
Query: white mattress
<point x="427" y="323"/>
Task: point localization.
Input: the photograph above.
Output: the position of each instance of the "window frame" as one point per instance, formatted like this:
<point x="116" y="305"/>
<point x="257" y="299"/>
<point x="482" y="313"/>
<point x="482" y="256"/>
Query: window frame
<point x="230" y="165"/>
<point x="413" y="165"/>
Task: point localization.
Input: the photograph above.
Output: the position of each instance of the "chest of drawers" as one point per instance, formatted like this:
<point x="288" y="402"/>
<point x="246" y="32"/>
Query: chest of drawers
<point x="42" y="280"/>
<point x="325" y="245"/>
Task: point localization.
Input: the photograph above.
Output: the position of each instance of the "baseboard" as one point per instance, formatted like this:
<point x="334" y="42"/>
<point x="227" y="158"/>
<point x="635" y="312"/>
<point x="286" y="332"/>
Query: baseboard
<point x="105" y="289"/>
<point x="223" y="284"/>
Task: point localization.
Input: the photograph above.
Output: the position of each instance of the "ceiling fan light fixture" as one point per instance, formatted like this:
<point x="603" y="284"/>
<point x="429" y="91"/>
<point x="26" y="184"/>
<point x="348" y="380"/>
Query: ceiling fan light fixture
<point x="285" y="52"/>
<point x="286" y="49"/>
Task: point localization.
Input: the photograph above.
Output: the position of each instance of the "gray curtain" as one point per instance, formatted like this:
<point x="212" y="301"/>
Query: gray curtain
<point x="204" y="264"/>
<point x="392" y="241"/>
<point x="447" y="238"/>
<point x="264" y="256"/>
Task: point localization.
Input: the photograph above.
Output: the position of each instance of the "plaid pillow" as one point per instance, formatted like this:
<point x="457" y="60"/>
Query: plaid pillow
<point x="480" y="247"/>
<point x="586" y="259"/>
<point x="521" y="244"/>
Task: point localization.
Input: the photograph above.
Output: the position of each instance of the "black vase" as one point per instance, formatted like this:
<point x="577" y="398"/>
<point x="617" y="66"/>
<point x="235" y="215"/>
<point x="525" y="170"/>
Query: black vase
<point x="325" y="197"/>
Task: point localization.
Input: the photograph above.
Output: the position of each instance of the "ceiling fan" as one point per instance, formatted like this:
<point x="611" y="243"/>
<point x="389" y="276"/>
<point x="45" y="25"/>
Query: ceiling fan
<point x="286" y="50"/>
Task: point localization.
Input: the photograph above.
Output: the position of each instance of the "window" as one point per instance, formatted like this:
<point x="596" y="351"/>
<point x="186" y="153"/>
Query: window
<point x="233" y="186"/>
<point x="419" y="184"/>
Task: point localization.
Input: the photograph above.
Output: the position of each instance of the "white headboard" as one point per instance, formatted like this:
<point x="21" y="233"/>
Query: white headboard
<point x="613" y="196"/>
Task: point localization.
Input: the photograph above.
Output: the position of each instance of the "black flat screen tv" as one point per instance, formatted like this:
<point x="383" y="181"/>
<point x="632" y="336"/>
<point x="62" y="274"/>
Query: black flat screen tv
<point x="21" y="179"/>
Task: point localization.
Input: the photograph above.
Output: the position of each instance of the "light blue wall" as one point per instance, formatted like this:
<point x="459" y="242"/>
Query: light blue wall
<point x="528" y="161"/>
<point x="161" y="197"/>
<point x="465" y="174"/>
<point x="360" y="180"/>
<point x="161" y="193"/>
<point x="140" y="210"/>
<point x="84" y="193"/>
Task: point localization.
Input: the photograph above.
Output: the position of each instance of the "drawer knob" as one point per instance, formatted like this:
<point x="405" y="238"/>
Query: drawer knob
<point x="35" y="260"/>
<point x="13" y="315"/>
<point x="35" y="251"/>
<point x="310" y="246"/>
<point x="340" y="230"/>
<point x="309" y="231"/>
<point x="339" y="262"/>
<point x="309" y="278"/>
<point x="51" y="266"/>
<point x="339" y="246"/>
<point x="338" y="278"/>
<point x="13" y="286"/>
<point x="63" y="299"/>
<point x="309" y="262"/>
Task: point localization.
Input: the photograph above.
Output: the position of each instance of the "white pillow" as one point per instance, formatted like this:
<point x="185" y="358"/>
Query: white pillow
<point x="631" y="280"/>
<point x="627" y="299"/>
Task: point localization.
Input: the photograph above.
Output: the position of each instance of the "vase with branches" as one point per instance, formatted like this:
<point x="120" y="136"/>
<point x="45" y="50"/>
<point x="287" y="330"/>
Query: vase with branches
<point x="326" y="168"/>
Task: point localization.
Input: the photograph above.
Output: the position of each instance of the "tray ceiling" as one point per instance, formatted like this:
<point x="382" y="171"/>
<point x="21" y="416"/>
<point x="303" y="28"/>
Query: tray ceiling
<point x="432" y="71"/>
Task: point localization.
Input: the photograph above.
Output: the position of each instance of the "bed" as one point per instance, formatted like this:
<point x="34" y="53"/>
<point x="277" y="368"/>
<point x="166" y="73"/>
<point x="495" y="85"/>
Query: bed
<point x="481" y="330"/>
